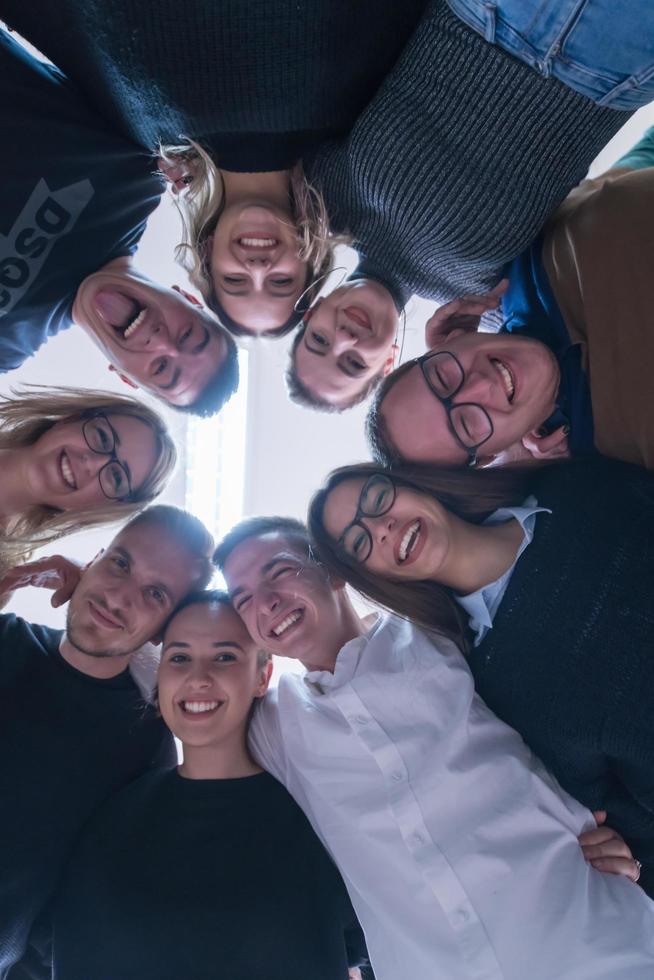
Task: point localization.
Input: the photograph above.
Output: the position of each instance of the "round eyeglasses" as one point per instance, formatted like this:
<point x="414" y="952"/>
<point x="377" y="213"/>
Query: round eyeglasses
<point x="469" y="423"/>
<point x="101" y="437"/>
<point x="376" y="499"/>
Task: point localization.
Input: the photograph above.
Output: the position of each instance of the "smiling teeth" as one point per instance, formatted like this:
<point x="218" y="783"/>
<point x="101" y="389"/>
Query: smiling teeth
<point x="197" y="707"/>
<point x="284" y="625"/>
<point x="258" y="242"/>
<point x="507" y="378"/>
<point x="67" y="472"/>
<point x="409" y="540"/>
<point x="134" y="325"/>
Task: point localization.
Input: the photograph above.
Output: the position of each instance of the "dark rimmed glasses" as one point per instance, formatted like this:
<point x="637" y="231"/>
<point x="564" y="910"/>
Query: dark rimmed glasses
<point x="469" y="423"/>
<point x="376" y="499"/>
<point x="100" y="436"/>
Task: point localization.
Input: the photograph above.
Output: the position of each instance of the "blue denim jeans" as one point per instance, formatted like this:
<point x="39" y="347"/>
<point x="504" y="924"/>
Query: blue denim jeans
<point x="601" y="48"/>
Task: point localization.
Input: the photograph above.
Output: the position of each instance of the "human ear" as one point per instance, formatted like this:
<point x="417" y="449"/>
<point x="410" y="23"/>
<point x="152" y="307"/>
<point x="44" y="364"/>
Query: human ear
<point x="123" y="377"/>
<point x="389" y="363"/>
<point x="554" y="445"/>
<point x="264" y="679"/>
<point x="306" y="316"/>
<point x="189" y="296"/>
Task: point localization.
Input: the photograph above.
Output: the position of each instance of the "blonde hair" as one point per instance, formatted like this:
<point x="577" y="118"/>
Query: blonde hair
<point x="203" y="202"/>
<point x="26" y="415"/>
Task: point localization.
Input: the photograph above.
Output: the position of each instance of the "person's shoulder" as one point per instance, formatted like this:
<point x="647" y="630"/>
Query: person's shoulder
<point x="23" y="635"/>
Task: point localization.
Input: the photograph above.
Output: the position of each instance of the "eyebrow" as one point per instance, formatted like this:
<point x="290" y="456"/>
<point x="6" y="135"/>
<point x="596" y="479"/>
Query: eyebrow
<point x="216" y="644"/>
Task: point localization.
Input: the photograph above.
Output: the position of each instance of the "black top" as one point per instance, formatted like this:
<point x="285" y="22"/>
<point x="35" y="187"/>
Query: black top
<point x="258" y="81"/>
<point x="76" y="196"/>
<point x="455" y="165"/>
<point x="569" y="661"/>
<point x="201" y="880"/>
<point x="68" y="741"/>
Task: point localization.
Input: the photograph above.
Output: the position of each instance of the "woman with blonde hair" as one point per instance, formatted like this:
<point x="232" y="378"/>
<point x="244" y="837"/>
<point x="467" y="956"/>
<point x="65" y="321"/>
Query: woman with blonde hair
<point x="72" y="459"/>
<point x="256" y="245"/>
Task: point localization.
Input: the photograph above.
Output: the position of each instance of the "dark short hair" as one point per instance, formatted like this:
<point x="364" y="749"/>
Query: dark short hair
<point x="301" y="394"/>
<point x="207" y="597"/>
<point x="379" y="441"/>
<point x="256" y="527"/>
<point x="186" y="528"/>
<point x="220" y="387"/>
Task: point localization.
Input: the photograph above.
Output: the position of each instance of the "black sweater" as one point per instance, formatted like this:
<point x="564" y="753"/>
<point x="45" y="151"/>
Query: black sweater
<point x="258" y="81"/>
<point x="455" y="165"/>
<point x="68" y="741"/>
<point x="179" y="879"/>
<point x="569" y="662"/>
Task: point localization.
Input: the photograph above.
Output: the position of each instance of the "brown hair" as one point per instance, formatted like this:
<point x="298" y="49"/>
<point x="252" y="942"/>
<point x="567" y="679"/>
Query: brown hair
<point x="470" y="494"/>
<point x="209" y="597"/>
<point x="379" y="441"/>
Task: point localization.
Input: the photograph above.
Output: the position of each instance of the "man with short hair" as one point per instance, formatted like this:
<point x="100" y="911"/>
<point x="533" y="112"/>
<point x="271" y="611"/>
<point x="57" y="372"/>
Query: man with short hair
<point x="458" y="849"/>
<point x="570" y="372"/>
<point x="73" y="214"/>
<point x="74" y="726"/>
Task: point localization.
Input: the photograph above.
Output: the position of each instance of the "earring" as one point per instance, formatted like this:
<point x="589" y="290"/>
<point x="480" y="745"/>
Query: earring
<point x="298" y="308"/>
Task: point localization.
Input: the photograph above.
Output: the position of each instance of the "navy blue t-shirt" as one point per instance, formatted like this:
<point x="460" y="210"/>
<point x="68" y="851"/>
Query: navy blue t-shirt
<point x="76" y="197"/>
<point x="67" y="741"/>
<point x="530" y="308"/>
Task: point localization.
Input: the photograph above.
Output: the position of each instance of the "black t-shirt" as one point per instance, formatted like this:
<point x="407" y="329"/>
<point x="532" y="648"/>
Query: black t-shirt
<point x="256" y="80"/>
<point x="202" y="880"/>
<point x="67" y="741"/>
<point x="75" y="195"/>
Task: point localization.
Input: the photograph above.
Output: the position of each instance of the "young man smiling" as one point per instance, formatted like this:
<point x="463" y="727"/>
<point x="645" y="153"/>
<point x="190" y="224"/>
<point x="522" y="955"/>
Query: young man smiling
<point x="73" y="724"/>
<point x="457" y="847"/>
<point x="74" y="212"/>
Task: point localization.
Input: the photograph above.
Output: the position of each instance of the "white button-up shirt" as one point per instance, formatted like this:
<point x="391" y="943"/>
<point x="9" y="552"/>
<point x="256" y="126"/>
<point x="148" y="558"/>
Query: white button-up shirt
<point x="458" y="849"/>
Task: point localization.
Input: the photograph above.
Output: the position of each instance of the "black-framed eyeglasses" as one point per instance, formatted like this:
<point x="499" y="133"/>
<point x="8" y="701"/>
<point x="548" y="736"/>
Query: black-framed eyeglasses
<point x="469" y="423"/>
<point x="100" y="436"/>
<point x="376" y="499"/>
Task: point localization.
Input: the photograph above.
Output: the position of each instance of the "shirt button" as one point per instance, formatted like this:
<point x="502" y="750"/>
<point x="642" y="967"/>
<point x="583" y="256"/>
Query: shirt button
<point x="417" y="839"/>
<point x="461" y="917"/>
<point x="361" y="720"/>
<point x="397" y="776"/>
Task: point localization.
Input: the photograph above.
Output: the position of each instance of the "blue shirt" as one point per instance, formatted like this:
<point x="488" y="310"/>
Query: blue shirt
<point x="530" y="308"/>
<point x="77" y="197"/>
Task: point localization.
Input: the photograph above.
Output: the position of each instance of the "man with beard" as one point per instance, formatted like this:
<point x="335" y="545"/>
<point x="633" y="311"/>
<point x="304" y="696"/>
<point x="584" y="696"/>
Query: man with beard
<point x="74" y="726"/>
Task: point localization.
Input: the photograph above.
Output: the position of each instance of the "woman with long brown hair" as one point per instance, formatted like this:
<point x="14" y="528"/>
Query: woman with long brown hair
<point x="545" y="577"/>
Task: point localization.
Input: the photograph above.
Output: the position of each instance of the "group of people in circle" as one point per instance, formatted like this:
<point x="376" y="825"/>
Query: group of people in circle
<point x="459" y="784"/>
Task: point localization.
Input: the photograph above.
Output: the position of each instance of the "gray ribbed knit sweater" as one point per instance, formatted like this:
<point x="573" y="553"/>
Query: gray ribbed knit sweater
<point x="455" y="165"/>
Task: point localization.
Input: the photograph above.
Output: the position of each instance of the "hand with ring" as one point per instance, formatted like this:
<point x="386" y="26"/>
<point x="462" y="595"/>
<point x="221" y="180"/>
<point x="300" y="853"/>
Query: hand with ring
<point x="605" y="849"/>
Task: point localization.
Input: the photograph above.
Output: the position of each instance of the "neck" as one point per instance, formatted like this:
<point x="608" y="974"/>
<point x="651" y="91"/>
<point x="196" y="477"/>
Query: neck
<point x="228" y="760"/>
<point x="15" y="491"/>
<point x="478" y="554"/>
<point x="103" y="668"/>
<point x="271" y="187"/>
<point x="349" y="627"/>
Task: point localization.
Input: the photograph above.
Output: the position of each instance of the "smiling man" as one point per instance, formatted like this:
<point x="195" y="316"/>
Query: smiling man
<point x="74" y="726"/>
<point x="570" y="372"/>
<point x="345" y="346"/>
<point x="73" y="215"/>
<point x="457" y="847"/>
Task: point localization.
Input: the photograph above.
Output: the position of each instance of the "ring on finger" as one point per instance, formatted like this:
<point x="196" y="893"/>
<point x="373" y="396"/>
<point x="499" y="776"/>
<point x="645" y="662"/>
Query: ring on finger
<point x="639" y="866"/>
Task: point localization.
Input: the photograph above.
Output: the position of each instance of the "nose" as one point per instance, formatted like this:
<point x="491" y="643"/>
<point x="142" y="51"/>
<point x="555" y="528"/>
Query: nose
<point x="159" y="340"/>
<point x="478" y="387"/>
<point x="89" y="466"/>
<point x="269" y="601"/>
<point x="381" y="529"/>
<point x="119" y="597"/>
<point x="199" y="678"/>
<point x="344" y="339"/>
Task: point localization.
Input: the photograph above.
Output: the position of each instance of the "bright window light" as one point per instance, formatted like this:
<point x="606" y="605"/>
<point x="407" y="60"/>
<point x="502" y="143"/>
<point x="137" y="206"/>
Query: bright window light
<point x="215" y="453"/>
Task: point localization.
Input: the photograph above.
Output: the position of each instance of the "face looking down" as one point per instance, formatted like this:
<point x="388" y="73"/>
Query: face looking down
<point x="154" y="337"/>
<point x="88" y="464"/>
<point x="500" y="388"/>
<point x="209" y="675"/>
<point x="256" y="271"/>
<point x="285" y="600"/>
<point x="348" y="341"/>
<point x="397" y="532"/>
<point x="126" y="595"/>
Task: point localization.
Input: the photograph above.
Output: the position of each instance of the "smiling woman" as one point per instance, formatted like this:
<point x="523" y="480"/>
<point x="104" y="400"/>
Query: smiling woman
<point x="73" y="458"/>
